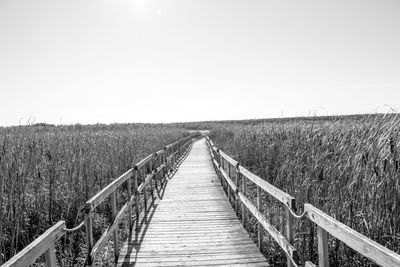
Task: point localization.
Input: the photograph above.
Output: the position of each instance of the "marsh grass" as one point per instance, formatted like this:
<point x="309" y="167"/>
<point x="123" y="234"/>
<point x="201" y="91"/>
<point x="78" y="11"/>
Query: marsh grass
<point x="48" y="172"/>
<point x="348" y="167"/>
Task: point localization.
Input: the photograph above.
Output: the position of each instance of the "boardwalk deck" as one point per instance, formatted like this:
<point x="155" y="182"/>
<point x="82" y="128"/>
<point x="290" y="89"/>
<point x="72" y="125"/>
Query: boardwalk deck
<point x="193" y="224"/>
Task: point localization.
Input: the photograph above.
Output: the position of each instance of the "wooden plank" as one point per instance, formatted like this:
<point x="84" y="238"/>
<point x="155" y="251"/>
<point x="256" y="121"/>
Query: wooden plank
<point x="93" y="202"/>
<point x="143" y="162"/>
<point x="50" y="257"/>
<point x="89" y="236"/>
<point x="145" y="182"/>
<point x="273" y="232"/>
<point x="278" y="194"/>
<point x="193" y="223"/>
<point x="110" y="229"/>
<point x="260" y="227"/>
<point x="363" y="245"/>
<point x="40" y="245"/>
<point x="113" y="214"/>
<point x="229" y="159"/>
<point x="323" y="254"/>
<point x="289" y="229"/>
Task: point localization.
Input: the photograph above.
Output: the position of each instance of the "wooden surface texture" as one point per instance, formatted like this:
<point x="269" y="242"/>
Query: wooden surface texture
<point x="193" y="224"/>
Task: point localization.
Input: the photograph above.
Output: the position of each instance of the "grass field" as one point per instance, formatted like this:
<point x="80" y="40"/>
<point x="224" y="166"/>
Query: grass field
<point x="48" y="172"/>
<point x="346" y="166"/>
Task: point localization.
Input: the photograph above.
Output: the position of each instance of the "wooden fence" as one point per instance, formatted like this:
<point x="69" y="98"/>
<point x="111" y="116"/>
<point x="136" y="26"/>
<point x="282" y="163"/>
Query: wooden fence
<point x="152" y="169"/>
<point x="225" y="166"/>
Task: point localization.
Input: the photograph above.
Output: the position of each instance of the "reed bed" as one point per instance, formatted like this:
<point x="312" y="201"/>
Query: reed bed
<point x="348" y="167"/>
<point x="48" y="172"/>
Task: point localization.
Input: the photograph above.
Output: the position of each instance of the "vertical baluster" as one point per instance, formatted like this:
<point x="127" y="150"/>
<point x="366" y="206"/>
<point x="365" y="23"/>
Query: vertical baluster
<point x="323" y="254"/>
<point x="151" y="167"/>
<point x="135" y="188"/>
<point x="260" y="228"/>
<point x="228" y="187"/>
<point x="244" y="188"/>
<point x="129" y="186"/>
<point x="89" y="235"/>
<point x="115" y="233"/>
<point x="50" y="257"/>
<point x="236" y="196"/>
<point x="289" y="227"/>
<point x="143" y="174"/>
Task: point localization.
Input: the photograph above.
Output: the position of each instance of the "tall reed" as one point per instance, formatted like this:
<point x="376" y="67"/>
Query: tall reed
<point x="48" y="172"/>
<point x="347" y="167"/>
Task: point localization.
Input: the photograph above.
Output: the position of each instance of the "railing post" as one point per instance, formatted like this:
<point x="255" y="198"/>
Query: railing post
<point x="260" y="228"/>
<point x="89" y="235"/>
<point x="228" y="188"/>
<point x="50" y="256"/>
<point x="289" y="227"/>
<point x="144" y="176"/>
<point x="244" y="189"/>
<point x="323" y="254"/>
<point x="129" y="186"/>
<point x="236" y="196"/>
<point x="151" y="167"/>
<point x="135" y="188"/>
<point x="115" y="233"/>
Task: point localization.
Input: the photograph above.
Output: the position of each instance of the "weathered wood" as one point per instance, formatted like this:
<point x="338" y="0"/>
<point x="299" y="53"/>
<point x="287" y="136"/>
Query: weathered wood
<point x="278" y="194"/>
<point x="228" y="181"/>
<point x="143" y="162"/>
<point x="289" y="228"/>
<point x="113" y="199"/>
<point x="244" y="192"/>
<point x="38" y="247"/>
<point x="229" y="159"/>
<point x="323" y="254"/>
<point x="288" y="248"/>
<point x="142" y="187"/>
<point x="353" y="239"/>
<point x="129" y="189"/>
<point x="89" y="236"/>
<point x="136" y="196"/>
<point x="106" y="191"/>
<point x="110" y="229"/>
<point x="193" y="223"/>
<point x="236" y="197"/>
<point x="260" y="227"/>
<point x="50" y="257"/>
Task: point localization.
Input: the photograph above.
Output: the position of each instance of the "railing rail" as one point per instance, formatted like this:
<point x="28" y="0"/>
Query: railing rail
<point x="163" y="161"/>
<point x="325" y="223"/>
<point x="223" y="165"/>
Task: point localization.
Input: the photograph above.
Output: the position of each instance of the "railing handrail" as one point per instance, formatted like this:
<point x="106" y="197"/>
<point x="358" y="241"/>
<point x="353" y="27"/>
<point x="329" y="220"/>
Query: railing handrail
<point x="325" y="223"/>
<point x="219" y="158"/>
<point x="360" y="243"/>
<point x="45" y="243"/>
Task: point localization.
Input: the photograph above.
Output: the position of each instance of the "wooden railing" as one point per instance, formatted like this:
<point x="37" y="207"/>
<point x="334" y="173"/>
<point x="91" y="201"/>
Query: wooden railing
<point x="161" y="164"/>
<point x="224" y="164"/>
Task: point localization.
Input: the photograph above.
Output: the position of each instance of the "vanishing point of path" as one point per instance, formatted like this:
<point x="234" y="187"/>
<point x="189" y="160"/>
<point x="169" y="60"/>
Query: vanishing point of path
<point x="193" y="224"/>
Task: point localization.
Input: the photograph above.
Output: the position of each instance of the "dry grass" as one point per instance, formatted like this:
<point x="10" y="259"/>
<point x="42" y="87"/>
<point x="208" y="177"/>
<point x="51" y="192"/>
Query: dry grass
<point x="47" y="173"/>
<point x="347" y="167"/>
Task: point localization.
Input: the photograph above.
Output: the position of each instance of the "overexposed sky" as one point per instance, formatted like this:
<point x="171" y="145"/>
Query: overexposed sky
<point x="74" y="61"/>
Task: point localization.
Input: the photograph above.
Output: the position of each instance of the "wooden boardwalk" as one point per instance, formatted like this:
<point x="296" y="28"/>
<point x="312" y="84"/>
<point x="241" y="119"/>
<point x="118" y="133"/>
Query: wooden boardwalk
<point x="193" y="224"/>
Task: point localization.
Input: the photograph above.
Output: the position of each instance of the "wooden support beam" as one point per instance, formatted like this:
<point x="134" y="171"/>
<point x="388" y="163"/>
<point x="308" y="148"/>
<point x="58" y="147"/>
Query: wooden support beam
<point x="50" y="257"/>
<point x="260" y="227"/>
<point x="323" y="254"/>
<point x="43" y="244"/>
<point x="360" y="243"/>
<point x="113" y="199"/>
